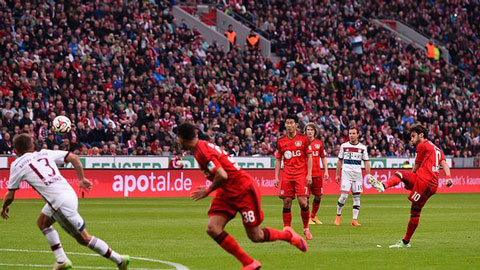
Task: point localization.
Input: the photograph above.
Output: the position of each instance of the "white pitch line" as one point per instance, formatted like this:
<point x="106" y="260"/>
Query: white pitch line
<point x="176" y="265"/>
<point x="76" y="266"/>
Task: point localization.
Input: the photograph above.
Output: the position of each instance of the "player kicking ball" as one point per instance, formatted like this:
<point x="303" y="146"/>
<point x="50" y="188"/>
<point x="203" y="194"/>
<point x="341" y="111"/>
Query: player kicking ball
<point x="235" y="192"/>
<point x="318" y="151"/>
<point x="422" y="181"/>
<point x="350" y="158"/>
<point x="40" y="170"/>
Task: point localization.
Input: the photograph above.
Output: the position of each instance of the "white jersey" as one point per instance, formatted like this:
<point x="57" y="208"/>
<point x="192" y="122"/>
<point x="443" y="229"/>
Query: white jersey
<point x="40" y="170"/>
<point x="352" y="155"/>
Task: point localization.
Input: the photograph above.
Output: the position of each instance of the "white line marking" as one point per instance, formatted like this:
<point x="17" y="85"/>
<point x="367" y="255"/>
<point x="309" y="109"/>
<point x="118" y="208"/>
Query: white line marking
<point x="76" y="266"/>
<point x="176" y="265"/>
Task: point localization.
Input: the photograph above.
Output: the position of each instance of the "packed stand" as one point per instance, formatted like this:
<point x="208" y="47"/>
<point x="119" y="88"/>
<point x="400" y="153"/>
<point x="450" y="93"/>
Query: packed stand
<point x="127" y="75"/>
<point x="454" y="23"/>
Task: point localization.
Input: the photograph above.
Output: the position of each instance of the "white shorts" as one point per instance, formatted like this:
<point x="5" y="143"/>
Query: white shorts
<point x="67" y="216"/>
<point x="354" y="186"/>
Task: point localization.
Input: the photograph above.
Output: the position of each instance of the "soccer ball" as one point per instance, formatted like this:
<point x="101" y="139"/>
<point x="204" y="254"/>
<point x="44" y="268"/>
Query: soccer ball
<point x="62" y="124"/>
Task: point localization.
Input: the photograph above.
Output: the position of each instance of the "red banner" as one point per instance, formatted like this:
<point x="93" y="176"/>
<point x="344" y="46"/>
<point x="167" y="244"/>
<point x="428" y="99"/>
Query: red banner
<point x="178" y="183"/>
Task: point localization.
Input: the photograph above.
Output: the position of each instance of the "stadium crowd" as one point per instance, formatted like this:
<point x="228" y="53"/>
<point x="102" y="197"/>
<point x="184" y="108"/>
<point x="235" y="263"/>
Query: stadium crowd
<point x="128" y="74"/>
<point x="454" y="23"/>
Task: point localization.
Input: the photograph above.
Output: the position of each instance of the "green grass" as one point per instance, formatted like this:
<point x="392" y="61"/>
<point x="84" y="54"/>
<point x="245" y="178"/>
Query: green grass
<point x="173" y="229"/>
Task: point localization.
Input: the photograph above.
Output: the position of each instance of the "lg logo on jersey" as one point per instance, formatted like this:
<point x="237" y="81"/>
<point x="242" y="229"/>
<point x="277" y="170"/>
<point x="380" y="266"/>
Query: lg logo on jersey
<point x="290" y="154"/>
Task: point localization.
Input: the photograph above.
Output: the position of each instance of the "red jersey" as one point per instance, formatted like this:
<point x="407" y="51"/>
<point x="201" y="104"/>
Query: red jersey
<point x="429" y="157"/>
<point x="294" y="152"/>
<point x="318" y="151"/>
<point x="211" y="157"/>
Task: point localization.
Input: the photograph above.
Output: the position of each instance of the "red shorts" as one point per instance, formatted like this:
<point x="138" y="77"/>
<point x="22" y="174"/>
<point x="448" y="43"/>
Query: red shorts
<point x="248" y="205"/>
<point x="421" y="189"/>
<point x="290" y="188"/>
<point x="317" y="186"/>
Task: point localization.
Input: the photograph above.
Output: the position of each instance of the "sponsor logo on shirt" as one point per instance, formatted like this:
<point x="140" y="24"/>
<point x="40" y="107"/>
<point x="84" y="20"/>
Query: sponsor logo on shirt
<point x="290" y="154"/>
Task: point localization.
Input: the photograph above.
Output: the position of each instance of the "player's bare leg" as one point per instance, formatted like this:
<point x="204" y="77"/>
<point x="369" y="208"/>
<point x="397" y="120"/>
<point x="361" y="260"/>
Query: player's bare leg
<point x="305" y="213"/>
<point x="102" y="248"/>
<point x="287" y="212"/>
<point x="257" y="234"/>
<point x="315" y="206"/>
<point x="216" y="230"/>
<point x="45" y="223"/>
<point x="356" y="208"/>
<point x="341" y="202"/>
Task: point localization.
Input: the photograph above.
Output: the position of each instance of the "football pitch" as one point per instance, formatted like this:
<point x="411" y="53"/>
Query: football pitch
<point x="169" y="233"/>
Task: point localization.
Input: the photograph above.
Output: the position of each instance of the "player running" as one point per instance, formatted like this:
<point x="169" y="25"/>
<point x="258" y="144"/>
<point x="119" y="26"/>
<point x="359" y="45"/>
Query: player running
<point x="40" y="170"/>
<point x="235" y="192"/>
<point x="297" y="172"/>
<point x="350" y="163"/>
<point x="318" y="151"/>
<point x="422" y="181"/>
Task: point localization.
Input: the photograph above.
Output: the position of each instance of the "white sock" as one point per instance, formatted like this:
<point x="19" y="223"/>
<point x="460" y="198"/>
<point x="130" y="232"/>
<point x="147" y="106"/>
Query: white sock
<point x="341" y="203"/>
<point x="99" y="246"/>
<point x="54" y="241"/>
<point x="356" y="206"/>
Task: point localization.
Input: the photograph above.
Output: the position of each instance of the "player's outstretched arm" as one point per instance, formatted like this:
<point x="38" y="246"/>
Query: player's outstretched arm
<point x="77" y="165"/>
<point x="446" y="169"/>
<point x="7" y="200"/>
<point x="218" y="179"/>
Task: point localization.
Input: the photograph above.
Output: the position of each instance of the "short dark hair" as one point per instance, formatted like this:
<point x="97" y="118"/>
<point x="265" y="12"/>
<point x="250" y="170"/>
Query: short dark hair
<point x="419" y="128"/>
<point x="186" y="131"/>
<point x="354" y="127"/>
<point x="292" y="116"/>
<point x="22" y="143"/>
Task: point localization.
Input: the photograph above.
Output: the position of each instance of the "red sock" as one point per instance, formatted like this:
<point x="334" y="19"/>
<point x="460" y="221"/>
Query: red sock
<point x="412" y="226"/>
<point x="415" y="211"/>
<point x="271" y="235"/>
<point x="305" y="217"/>
<point x="315" y="206"/>
<point x="287" y="217"/>
<point x="228" y="243"/>
<point x="392" y="181"/>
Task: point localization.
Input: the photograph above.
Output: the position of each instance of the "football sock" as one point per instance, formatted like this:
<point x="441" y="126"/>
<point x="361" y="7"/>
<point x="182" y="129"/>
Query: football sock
<point x="356" y="205"/>
<point x="271" y="235"/>
<point x="413" y="223"/>
<point x="315" y="206"/>
<point x="341" y="203"/>
<point x="305" y="216"/>
<point x="54" y="241"/>
<point x="99" y="246"/>
<point x="392" y="181"/>
<point x="228" y="243"/>
<point x="287" y="217"/>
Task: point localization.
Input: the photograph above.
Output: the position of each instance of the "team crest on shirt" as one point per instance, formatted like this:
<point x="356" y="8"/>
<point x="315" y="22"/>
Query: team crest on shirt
<point x="317" y="146"/>
<point x="298" y="143"/>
